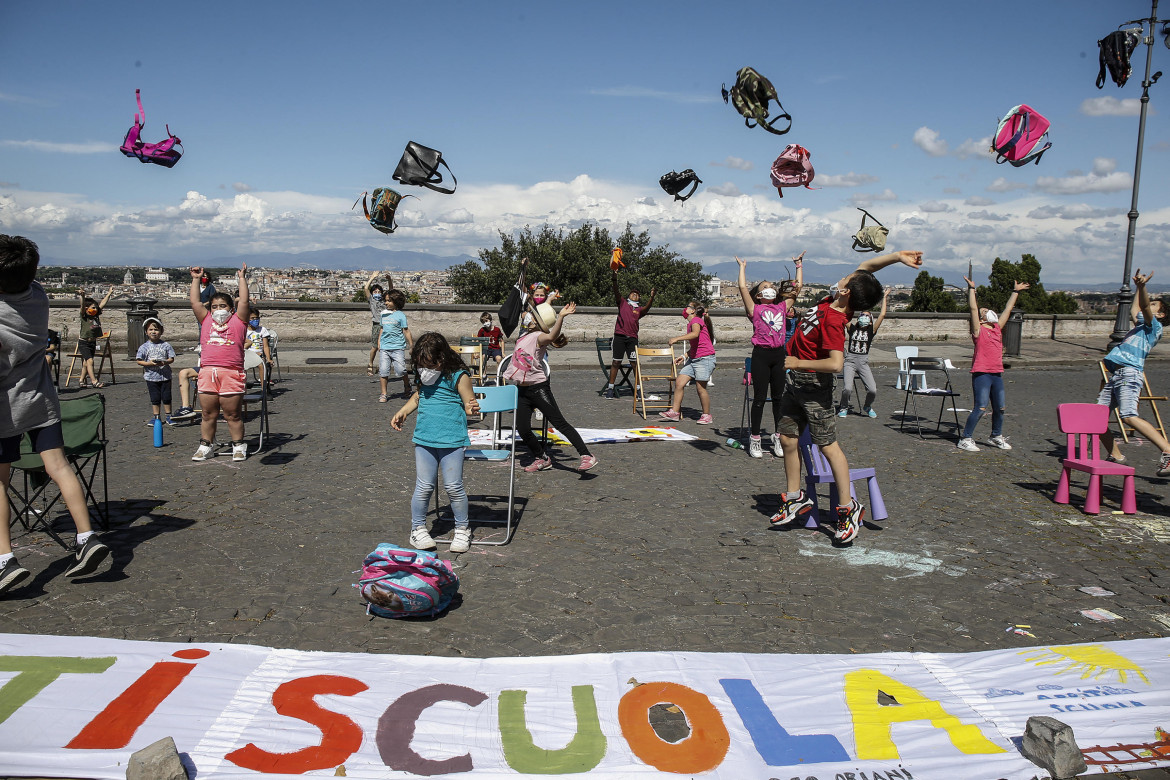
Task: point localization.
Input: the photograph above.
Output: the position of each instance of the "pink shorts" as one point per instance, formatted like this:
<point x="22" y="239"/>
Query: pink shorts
<point x="221" y="381"/>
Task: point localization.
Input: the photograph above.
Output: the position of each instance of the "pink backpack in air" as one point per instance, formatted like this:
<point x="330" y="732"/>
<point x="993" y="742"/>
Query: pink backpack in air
<point x="792" y="169"/>
<point x="165" y="153"/>
<point x="1019" y="135"/>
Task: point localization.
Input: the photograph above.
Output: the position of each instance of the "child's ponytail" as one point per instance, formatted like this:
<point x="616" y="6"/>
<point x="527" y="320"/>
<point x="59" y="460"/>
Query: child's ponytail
<point x="701" y="311"/>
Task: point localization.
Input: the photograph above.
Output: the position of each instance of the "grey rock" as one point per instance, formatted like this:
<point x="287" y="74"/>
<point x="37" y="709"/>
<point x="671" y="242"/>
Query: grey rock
<point x="159" y="761"/>
<point x="1050" y="744"/>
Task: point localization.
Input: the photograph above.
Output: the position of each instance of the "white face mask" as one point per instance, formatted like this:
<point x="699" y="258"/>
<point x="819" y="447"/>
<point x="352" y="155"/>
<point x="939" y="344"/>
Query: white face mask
<point x="632" y="302"/>
<point x="768" y="294"/>
<point x="864" y="321"/>
<point x="833" y="291"/>
<point x="991" y="317"/>
<point x="428" y="376"/>
<point x="221" y="316"/>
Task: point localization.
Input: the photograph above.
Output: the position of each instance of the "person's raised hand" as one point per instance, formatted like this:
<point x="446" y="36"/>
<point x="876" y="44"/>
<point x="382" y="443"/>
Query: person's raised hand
<point x="1020" y="286"/>
<point x="910" y="258"/>
<point x="742" y="263"/>
<point x="196" y="272"/>
<point x="970" y="284"/>
<point x="1141" y="280"/>
<point x="570" y="308"/>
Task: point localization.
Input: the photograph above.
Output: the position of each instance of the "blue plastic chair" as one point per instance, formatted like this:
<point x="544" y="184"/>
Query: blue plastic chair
<point x="818" y="471"/>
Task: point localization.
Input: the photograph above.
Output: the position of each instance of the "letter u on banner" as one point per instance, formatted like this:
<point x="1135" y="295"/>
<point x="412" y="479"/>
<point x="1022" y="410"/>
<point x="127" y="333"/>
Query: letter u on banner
<point x="584" y="751"/>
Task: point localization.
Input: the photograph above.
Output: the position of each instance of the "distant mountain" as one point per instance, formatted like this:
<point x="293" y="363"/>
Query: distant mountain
<point x="326" y="259"/>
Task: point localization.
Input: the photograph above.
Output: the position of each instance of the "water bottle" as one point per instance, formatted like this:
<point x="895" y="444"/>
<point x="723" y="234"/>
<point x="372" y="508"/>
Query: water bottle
<point x="158" y="440"/>
<point x="734" y="444"/>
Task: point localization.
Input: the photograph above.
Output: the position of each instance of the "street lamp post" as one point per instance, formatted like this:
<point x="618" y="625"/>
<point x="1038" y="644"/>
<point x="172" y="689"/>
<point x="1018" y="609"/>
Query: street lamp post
<point x="1125" y="296"/>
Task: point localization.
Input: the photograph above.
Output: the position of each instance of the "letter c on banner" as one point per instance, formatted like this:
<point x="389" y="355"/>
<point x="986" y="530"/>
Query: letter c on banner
<point x="340" y="736"/>
<point x="702" y="751"/>
<point x="396" y="730"/>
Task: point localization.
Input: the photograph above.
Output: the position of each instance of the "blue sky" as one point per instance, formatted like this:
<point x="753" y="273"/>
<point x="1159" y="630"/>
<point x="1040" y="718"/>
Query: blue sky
<point x="570" y="112"/>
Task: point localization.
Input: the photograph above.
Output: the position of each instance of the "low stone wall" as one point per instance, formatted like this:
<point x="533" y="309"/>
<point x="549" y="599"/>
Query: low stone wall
<point x="308" y="323"/>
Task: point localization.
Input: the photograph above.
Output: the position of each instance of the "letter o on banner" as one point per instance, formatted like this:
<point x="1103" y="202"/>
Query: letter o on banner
<point x="702" y="751"/>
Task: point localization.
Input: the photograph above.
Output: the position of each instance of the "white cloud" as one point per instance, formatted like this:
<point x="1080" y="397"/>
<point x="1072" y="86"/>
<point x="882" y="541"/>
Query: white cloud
<point x="929" y="141"/>
<point x="935" y="207"/>
<point x="865" y="199"/>
<point x="1111" y="106"/>
<point x="654" y="94"/>
<point x="850" y="179"/>
<point x="738" y="163"/>
<point x="975" y="148"/>
<point x="87" y="147"/>
<point x="1103" y="178"/>
<point x="987" y="215"/>
<point x="241" y="187"/>
<point x="977" y="200"/>
<point x="727" y="190"/>
<point x="1006" y="185"/>
<point x="1073" y="211"/>
<point x="952" y="190"/>
<point x="456" y="217"/>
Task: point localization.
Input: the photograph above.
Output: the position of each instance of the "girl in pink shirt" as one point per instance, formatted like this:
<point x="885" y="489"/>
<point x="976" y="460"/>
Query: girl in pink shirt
<point x="699" y="361"/>
<point x="223" y="335"/>
<point x="987" y="368"/>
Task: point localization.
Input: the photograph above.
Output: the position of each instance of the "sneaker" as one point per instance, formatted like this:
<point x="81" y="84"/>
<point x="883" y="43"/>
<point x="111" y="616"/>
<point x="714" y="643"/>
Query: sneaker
<point x="705" y="419"/>
<point x="999" y="441"/>
<point x="1118" y="459"/>
<point x="968" y="444"/>
<point x="170" y="420"/>
<point x="843" y="413"/>
<point x="420" y="539"/>
<point x="11" y="574"/>
<point x="870" y="412"/>
<point x="460" y="540"/>
<point x="609" y="392"/>
<point x="587" y="462"/>
<point x="1164" y="465"/>
<point x="239" y="450"/>
<point x="185" y="413"/>
<point x="754" y="448"/>
<point x="540" y="464"/>
<point x="87" y="557"/>
<point x="382" y="398"/>
<point x="671" y="415"/>
<point x="849" y="521"/>
<point x="793" y="506"/>
<point x="777" y="449"/>
<point x="150" y="422"/>
<point x="205" y="451"/>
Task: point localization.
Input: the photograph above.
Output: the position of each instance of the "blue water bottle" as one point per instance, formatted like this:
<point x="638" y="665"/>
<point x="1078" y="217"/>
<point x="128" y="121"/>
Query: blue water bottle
<point x="158" y="441"/>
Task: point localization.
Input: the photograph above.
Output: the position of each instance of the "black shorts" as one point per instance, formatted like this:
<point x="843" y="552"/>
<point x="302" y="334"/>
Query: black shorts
<point x="160" y="392"/>
<point x="623" y="347"/>
<point x="46" y="438"/>
<point x="86" y="349"/>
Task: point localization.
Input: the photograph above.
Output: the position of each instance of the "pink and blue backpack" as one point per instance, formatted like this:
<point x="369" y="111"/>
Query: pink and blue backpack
<point x="163" y="153"/>
<point x="1018" y="136"/>
<point x="792" y="169"/>
<point x="398" y="582"/>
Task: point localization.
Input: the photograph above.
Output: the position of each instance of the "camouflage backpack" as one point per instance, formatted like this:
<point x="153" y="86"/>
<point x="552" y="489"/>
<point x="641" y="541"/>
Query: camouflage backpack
<point x="750" y="96"/>
<point x="872" y="238"/>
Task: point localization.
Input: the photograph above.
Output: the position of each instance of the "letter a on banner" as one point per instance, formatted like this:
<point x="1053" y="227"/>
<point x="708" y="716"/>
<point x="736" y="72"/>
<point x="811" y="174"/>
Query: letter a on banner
<point x="584" y="751"/>
<point x="872" y="721"/>
<point x="702" y="751"/>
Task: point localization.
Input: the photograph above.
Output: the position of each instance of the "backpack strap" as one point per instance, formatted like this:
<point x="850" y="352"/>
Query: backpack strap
<point x="696" y="181"/>
<point x="1101" y="73"/>
<point x="432" y="185"/>
<point x="1023" y="129"/>
<point x="140" y="117"/>
<point x="782" y="115"/>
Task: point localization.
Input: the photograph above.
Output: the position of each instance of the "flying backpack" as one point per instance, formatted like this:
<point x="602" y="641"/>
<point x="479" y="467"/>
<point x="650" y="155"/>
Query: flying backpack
<point x="420" y="166"/>
<point x="163" y="153"/>
<point x="792" y="169"/>
<point x="750" y="96"/>
<point x="386" y="203"/>
<point x="674" y="183"/>
<point x="397" y="582"/>
<point x="1116" y="48"/>
<point x="1018" y="136"/>
<point x="872" y="238"/>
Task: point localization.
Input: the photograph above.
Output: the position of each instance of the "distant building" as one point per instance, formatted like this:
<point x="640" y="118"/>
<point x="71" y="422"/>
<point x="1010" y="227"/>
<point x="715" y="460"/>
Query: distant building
<point x="157" y="275"/>
<point x="128" y="278"/>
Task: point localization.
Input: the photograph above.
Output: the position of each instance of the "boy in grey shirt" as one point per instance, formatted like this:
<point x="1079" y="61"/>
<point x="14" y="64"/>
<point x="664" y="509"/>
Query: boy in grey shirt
<point x="29" y="405"/>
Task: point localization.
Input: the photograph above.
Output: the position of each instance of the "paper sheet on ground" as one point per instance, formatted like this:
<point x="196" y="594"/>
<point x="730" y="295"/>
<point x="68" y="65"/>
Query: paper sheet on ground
<point x="483" y="438"/>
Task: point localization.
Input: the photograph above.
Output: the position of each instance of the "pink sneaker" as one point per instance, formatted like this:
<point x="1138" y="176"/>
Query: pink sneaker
<point x="587" y="462"/>
<point x="540" y="464"/>
<point x="671" y="415"/>
<point x="705" y="419"/>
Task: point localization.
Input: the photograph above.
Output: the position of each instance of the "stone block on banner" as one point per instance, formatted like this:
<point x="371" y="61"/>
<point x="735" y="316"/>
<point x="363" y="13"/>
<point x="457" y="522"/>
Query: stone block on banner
<point x="159" y="761"/>
<point x="1050" y="744"/>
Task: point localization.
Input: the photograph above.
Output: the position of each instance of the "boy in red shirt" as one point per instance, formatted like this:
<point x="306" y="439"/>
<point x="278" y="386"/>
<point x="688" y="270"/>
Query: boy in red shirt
<point x="495" y="337"/>
<point x="815" y="353"/>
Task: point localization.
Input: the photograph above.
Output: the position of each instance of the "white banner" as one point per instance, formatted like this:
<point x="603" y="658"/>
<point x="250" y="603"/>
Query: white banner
<point x="483" y="439"/>
<point x="74" y="707"/>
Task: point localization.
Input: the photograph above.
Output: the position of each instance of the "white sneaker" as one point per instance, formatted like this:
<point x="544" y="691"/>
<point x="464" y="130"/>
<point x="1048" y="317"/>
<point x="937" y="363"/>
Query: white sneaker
<point x="777" y="450"/>
<point x="239" y="451"/>
<point x="999" y="441"/>
<point x="461" y="540"/>
<point x="968" y="445"/>
<point x="420" y="539"/>
<point x="754" y="448"/>
<point x="204" y="452"/>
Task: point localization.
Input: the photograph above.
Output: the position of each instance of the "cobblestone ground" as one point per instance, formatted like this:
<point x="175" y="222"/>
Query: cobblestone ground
<point x="664" y="546"/>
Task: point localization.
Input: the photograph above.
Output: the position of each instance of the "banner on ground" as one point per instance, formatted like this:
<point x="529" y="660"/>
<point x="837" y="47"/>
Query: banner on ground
<point x="482" y="438"/>
<point x="75" y="707"/>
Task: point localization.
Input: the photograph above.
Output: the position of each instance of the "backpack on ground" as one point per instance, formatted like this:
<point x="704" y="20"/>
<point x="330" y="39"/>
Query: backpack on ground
<point x="386" y="203"/>
<point x="163" y="153"/>
<point x="398" y="582"/>
<point x="792" y="169"/>
<point x="1017" y="140"/>
<point x="1116" y="48"/>
<point x="674" y="183"/>
<point x="872" y="238"/>
<point x="420" y="166"/>
<point x="750" y="96"/>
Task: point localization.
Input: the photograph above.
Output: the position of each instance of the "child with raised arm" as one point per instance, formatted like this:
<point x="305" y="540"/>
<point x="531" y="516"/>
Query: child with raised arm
<point x="987" y="367"/>
<point x="376" y="297"/>
<point x="625" y="330"/>
<point x="769" y="308"/>
<point x="858" y="339"/>
<point x="29" y="405"/>
<point x="1127" y="362"/>
<point x="815" y="354"/>
<point x="698" y="364"/>
<point x="223" y="336"/>
<point x="89" y="333"/>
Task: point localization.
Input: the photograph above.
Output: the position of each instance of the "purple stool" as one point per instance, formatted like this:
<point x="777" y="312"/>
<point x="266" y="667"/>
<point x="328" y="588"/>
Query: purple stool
<point x="818" y="471"/>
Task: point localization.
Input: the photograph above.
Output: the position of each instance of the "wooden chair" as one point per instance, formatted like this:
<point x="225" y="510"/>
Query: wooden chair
<point x="649" y="367"/>
<point x="817" y="472"/>
<point x="102" y="351"/>
<point x="1084" y="424"/>
<point x="1147" y="396"/>
<point x="473" y="356"/>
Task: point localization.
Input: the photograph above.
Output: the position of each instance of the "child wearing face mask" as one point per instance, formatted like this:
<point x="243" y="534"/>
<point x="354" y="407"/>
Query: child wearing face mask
<point x="444" y="400"/>
<point x="987" y="367"/>
<point x="376" y="297"/>
<point x="258" y="337"/>
<point x="495" y="337"/>
<point x="540" y="294"/>
<point x="699" y="361"/>
<point x="625" y="330"/>
<point x="393" y="342"/>
<point x="223" y="336"/>
<point x="89" y="333"/>
<point x="858" y="338"/>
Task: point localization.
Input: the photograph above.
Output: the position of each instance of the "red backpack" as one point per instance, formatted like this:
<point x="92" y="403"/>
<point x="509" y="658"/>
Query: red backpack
<point x="792" y="169"/>
<point x="163" y="153"/>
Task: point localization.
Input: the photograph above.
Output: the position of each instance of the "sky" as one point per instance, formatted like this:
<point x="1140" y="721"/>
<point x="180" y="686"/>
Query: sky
<point x="564" y="113"/>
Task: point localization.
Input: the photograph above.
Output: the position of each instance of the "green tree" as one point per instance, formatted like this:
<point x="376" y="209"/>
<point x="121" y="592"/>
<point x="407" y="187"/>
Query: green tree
<point x="928" y="295"/>
<point x="1034" y="300"/>
<point x="577" y="264"/>
<point x="359" y="297"/>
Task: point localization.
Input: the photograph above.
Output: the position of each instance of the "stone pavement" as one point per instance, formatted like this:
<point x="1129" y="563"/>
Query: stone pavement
<point x="664" y="546"/>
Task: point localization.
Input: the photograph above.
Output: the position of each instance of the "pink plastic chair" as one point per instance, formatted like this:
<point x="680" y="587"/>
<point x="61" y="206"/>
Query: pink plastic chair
<point x="818" y="471"/>
<point x="1084" y="423"/>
